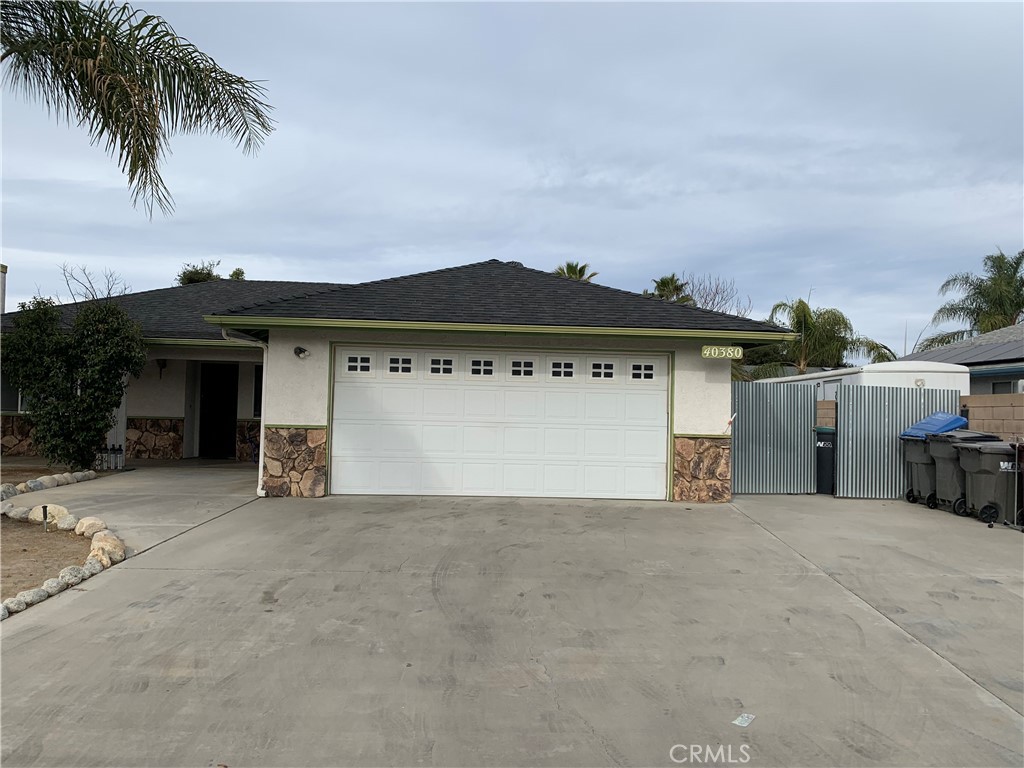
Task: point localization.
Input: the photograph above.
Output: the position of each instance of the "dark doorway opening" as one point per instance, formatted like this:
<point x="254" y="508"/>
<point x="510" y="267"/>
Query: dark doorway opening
<point x="218" y="410"/>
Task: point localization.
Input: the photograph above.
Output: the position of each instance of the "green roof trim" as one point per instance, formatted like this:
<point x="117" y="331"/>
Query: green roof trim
<point x="195" y="343"/>
<point x="241" y="321"/>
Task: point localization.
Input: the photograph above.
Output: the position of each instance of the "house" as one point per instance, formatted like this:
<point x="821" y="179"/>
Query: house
<point x="995" y="360"/>
<point x="199" y="393"/>
<point x="485" y="379"/>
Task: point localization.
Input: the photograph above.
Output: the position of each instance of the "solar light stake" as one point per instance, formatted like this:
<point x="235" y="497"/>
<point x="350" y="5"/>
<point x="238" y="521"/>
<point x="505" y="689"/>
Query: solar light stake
<point x="46" y="522"/>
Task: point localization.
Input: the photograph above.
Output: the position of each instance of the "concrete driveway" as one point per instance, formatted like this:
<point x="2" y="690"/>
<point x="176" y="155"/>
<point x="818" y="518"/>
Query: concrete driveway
<point x="439" y="631"/>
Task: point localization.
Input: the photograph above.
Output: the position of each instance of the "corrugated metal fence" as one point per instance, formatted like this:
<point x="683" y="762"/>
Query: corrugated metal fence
<point x="869" y="457"/>
<point x="773" y="440"/>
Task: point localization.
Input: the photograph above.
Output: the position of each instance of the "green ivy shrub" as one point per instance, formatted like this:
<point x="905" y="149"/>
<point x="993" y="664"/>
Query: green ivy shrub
<point x="72" y="376"/>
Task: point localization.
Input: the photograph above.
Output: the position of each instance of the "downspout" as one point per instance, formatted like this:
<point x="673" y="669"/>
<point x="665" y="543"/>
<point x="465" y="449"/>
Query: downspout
<point x="245" y="339"/>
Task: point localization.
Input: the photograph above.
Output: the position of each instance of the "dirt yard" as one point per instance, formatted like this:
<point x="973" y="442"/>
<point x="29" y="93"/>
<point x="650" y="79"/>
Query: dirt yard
<point x="20" y="473"/>
<point x="28" y="556"/>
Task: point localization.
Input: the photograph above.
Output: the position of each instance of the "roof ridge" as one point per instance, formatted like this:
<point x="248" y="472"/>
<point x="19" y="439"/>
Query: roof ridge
<point x="339" y="286"/>
<point x="634" y="294"/>
<point x="430" y="272"/>
<point x="328" y="288"/>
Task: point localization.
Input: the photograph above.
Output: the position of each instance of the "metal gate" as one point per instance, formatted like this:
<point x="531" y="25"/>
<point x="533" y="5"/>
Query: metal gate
<point x="773" y="438"/>
<point x="869" y="457"/>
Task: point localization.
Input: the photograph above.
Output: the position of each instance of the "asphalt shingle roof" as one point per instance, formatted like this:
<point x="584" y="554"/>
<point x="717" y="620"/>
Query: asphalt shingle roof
<point x="1002" y="346"/>
<point x="487" y="293"/>
<point x="177" y="313"/>
<point x="495" y="293"/>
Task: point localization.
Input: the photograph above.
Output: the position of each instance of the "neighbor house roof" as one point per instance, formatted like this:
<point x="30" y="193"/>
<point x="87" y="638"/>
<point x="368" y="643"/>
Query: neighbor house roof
<point x="176" y="313"/>
<point x="490" y="294"/>
<point x="1002" y="346"/>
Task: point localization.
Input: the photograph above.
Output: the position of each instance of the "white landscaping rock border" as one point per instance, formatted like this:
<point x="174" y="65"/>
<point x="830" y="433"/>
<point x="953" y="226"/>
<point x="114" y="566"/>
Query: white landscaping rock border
<point x="10" y="490"/>
<point x="107" y="550"/>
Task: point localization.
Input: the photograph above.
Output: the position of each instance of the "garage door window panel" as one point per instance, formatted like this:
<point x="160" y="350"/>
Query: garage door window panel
<point x="481" y="367"/>
<point x="522" y="369"/>
<point x="602" y="370"/>
<point x="357" y="365"/>
<point x="400" y="366"/>
<point x="441" y="366"/>
<point x="562" y="369"/>
<point x="644" y="372"/>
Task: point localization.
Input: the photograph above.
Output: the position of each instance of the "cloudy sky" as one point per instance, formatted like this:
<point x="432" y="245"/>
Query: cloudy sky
<point x="855" y="153"/>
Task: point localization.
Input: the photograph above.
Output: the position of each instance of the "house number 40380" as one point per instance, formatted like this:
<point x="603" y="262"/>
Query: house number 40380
<point x="723" y="353"/>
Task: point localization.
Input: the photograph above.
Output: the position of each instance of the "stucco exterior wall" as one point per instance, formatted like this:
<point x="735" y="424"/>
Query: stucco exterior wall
<point x="298" y="390"/>
<point x="156" y="395"/>
<point x="246" y="389"/>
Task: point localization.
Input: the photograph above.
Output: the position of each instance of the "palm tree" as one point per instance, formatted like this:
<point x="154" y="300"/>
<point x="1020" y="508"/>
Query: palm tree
<point x="826" y="339"/>
<point x="575" y="271"/>
<point x="130" y="81"/>
<point x="670" y="288"/>
<point x="988" y="302"/>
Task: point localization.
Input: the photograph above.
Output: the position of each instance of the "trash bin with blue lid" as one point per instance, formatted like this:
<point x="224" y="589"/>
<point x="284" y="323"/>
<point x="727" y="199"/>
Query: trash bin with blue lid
<point x="950" y="483"/>
<point x="919" y="462"/>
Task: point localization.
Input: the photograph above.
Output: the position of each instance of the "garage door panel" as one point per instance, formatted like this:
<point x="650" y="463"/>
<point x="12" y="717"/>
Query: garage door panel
<point x="521" y="441"/>
<point x="354" y="475"/>
<point x="399" y="476"/>
<point x="399" y="438"/>
<point x="480" y="440"/>
<point x="481" y="404"/>
<point x="440" y="440"/>
<point x="521" y="479"/>
<point x="636" y="480"/>
<point x="357" y="400"/>
<point x="603" y="406"/>
<point x="526" y="432"/>
<point x="355" y="439"/>
<point x="561" y="442"/>
<point x="602" y="443"/>
<point x="398" y="401"/>
<point x="524" y="404"/>
<point x="563" y="406"/>
<point x="441" y="403"/>
<point x="602" y="480"/>
<point x="480" y="477"/>
<point x="561" y="479"/>
<point x="647" y="407"/>
<point x="643" y="444"/>
<point x="439" y="477"/>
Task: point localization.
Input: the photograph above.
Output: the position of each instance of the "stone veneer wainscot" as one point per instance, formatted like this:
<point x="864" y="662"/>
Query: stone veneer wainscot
<point x="702" y="469"/>
<point x="295" y="461"/>
<point x="17" y="431"/>
<point x="153" y="438"/>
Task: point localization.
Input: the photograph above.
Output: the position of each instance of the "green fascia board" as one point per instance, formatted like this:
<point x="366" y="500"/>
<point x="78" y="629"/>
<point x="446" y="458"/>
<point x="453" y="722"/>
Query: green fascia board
<point x="157" y="342"/>
<point x="404" y="325"/>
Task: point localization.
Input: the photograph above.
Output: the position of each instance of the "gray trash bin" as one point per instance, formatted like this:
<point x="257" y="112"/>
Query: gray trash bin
<point x="950" y="487"/>
<point x="991" y="471"/>
<point x="920" y="471"/>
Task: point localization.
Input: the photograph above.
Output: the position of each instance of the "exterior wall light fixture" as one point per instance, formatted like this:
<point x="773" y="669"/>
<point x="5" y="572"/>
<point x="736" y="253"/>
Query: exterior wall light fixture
<point x="301" y="352"/>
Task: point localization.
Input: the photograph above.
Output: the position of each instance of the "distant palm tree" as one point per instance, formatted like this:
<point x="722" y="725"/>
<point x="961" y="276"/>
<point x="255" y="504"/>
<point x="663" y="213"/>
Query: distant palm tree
<point x="670" y="288"/>
<point x="130" y="81"/>
<point x="826" y="340"/>
<point x="575" y="271"/>
<point x="988" y="302"/>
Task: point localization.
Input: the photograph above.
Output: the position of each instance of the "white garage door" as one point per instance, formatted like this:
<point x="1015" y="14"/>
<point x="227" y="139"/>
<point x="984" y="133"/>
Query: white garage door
<point x="498" y="423"/>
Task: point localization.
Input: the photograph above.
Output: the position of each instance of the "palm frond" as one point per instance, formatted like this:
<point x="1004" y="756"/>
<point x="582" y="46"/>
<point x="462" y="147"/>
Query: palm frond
<point x="130" y="81"/>
<point x="942" y="339"/>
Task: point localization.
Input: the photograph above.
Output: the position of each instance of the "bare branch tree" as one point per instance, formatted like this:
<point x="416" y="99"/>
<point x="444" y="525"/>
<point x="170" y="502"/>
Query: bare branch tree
<point x="718" y="294"/>
<point x="83" y="285"/>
